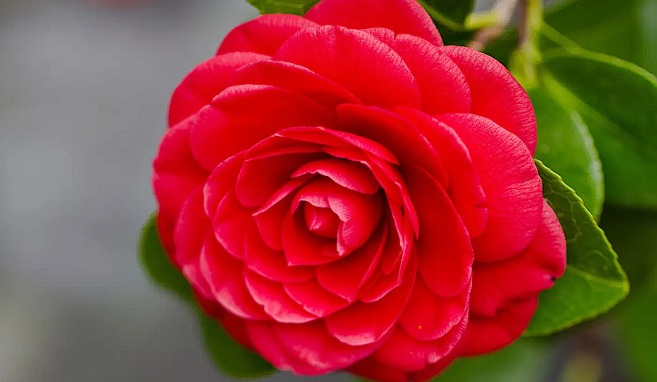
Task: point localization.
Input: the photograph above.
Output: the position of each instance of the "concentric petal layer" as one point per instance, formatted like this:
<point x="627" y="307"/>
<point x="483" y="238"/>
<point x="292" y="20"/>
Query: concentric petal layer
<point x="510" y="181"/>
<point x="499" y="284"/>
<point x="401" y="16"/>
<point x="264" y="34"/>
<point x="372" y="68"/>
<point x="496" y="94"/>
<point x="205" y="82"/>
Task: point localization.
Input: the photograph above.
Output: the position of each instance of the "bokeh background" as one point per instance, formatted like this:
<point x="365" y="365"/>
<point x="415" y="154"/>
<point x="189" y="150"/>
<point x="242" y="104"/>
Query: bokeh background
<point x="84" y="89"/>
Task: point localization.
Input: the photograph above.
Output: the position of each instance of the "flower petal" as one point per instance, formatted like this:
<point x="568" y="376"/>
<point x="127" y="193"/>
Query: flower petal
<point x="230" y="223"/>
<point x="394" y="132"/>
<point x="274" y="300"/>
<point x="295" y="78"/>
<point x="496" y="94"/>
<point x="264" y="34"/>
<point x="175" y="175"/>
<point x="402" y="16"/>
<point x="487" y="334"/>
<point x="511" y="182"/>
<point x="464" y="186"/>
<point x="497" y="285"/>
<point x="346" y="277"/>
<point x="353" y="176"/>
<point x="428" y="317"/>
<point x="443" y="86"/>
<point x="444" y="251"/>
<point x="205" y="82"/>
<point x="270" y="263"/>
<point x="243" y="115"/>
<point x="368" y="323"/>
<point x="406" y="353"/>
<point x="314" y="298"/>
<point x="225" y="275"/>
<point x="372" y="69"/>
<point x="312" y="344"/>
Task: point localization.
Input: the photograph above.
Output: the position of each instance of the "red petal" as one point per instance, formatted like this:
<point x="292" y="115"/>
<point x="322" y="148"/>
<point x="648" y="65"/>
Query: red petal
<point x="510" y="180"/>
<point x="359" y="214"/>
<point x="353" y="176"/>
<point x="395" y="133"/>
<point x="264" y="34"/>
<point x="372" y="69"/>
<point x="260" y="177"/>
<point x="404" y="352"/>
<point x="265" y="342"/>
<point x="205" y="81"/>
<point x="375" y="370"/>
<point x="368" y="323"/>
<point x="346" y="277"/>
<point x="243" y="115"/>
<point x="443" y="86"/>
<point x="294" y="78"/>
<point x="192" y="229"/>
<point x="321" y="221"/>
<point x="496" y="95"/>
<point x="485" y="335"/>
<point x="428" y="317"/>
<point x="464" y="185"/>
<point x="175" y="175"/>
<point x="402" y="16"/>
<point x="333" y="139"/>
<point x="275" y="301"/>
<point x="312" y="344"/>
<point x="226" y="278"/>
<point x="443" y="248"/>
<point x="497" y="285"/>
<point x="315" y="299"/>
<point x="221" y="182"/>
<point x="230" y="223"/>
<point x="302" y="247"/>
<point x="271" y="216"/>
<point x="269" y="263"/>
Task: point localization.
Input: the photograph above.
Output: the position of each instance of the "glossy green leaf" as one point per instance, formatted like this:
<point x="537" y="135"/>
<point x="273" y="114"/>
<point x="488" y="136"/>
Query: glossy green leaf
<point x="626" y="29"/>
<point x="451" y="13"/>
<point x="296" y="7"/>
<point x="230" y="356"/>
<point x="565" y="145"/>
<point x="594" y="281"/>
<point x="157" y="265"/>
<point x="526" y="360"/>
<point x="617" y="101"/>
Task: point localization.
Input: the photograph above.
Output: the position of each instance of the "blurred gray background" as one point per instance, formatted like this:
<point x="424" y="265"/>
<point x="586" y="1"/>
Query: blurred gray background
<point x="84" y="89"/>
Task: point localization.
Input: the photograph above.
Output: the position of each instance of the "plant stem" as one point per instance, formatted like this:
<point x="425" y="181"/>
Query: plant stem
<point x="503" y="13"/>
<point x="525" y="60"/>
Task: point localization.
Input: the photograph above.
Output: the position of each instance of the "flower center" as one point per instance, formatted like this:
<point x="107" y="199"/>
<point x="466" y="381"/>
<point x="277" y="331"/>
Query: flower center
<point x="321" y="221"/>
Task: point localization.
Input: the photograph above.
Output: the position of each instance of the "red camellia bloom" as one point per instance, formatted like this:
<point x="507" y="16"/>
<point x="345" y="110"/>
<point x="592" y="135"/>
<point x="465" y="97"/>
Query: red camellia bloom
<point x="343" y="192"/>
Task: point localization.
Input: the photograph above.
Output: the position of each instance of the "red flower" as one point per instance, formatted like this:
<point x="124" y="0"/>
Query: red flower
<point x="344" y="192"/>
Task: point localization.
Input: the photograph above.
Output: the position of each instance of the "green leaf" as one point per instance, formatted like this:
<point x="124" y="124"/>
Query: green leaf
<point x="624" y="29"/>
<point x="230" y="356"/>
<point x="451" y="13"/>
<point x="617" y="101"/>
<point x="157" y="265"/>
<point x="565" y="145"/>
<point x="296" y="7"/>
<point x="594" y="281"/>
<point x="525" y="360"/>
